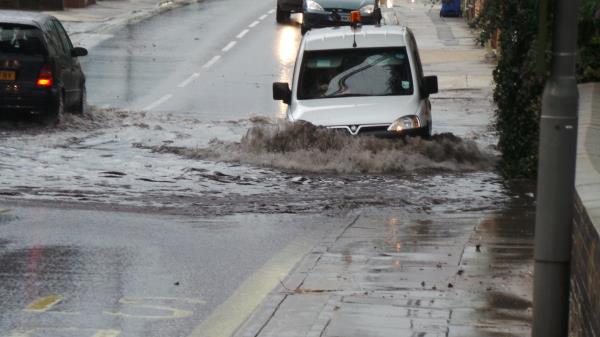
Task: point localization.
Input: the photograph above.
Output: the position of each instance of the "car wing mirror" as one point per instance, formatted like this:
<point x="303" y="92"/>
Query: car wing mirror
<point x="431" y="84"/>
<point x="282" y="92"/>
<point x="78" y="51"/>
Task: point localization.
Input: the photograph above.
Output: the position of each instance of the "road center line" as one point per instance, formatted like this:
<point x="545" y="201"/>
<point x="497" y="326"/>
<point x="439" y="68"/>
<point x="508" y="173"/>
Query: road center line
<point x="262" y="17"/>
<point x="253" y="24"/>
<point x="211" y="62"/>
<point x="188" y="80"/>
<point x="229" y="46"/>
<point x="243" y="33"/>
<point x="44" y="304"/>
<point x="158" y="102"/>
<point x="107" y="333"/>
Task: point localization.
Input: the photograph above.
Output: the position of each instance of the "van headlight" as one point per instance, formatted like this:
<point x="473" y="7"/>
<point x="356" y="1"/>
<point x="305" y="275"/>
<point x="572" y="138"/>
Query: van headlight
<point x="313" y="6"/>
<point x="405" y="123"/>
<point x="367" y="10"/>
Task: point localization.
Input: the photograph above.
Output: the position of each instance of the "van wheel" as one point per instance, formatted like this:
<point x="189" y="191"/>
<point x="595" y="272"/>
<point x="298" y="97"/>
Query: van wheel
<point x="282" y="16"/>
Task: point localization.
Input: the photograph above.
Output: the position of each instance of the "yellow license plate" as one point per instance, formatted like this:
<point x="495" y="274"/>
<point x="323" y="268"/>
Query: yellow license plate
<point x="8" y="75"/>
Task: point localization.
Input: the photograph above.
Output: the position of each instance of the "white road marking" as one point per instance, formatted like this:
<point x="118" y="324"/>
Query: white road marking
<point x="188" y="81"/>
<point x="158" y="102"/>
<point x="262" y="17"/>
<point x="211" y="62"/>
<point x="253" y="24"/>
<point x="243" y="33"/>
<point x="229" y="46"/>
<point x="271" y="11"/>
<point x="107" y="333"/>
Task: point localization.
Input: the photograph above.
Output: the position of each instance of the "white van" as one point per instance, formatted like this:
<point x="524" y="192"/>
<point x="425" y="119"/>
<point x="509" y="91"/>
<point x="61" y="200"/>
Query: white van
<point x="366" y="80"/>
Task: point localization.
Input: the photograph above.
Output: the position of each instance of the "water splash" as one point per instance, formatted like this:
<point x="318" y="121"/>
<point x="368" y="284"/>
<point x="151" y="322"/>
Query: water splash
<point x="304" y="147"/>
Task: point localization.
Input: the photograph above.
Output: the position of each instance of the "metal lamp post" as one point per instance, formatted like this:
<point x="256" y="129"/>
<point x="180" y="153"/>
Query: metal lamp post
<point x="556" y="180"/>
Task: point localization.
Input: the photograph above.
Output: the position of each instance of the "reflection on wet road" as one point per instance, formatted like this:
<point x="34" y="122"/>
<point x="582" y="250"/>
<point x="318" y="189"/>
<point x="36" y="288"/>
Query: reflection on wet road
<point x="65" y="273"/>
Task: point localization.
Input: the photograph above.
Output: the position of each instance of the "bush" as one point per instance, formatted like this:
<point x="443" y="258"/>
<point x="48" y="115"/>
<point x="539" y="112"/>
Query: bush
<point x="519" y="78"/>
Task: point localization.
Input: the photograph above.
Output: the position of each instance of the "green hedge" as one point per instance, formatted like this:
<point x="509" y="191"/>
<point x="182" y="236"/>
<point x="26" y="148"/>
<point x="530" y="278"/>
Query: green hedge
<point x="522" y="70"/>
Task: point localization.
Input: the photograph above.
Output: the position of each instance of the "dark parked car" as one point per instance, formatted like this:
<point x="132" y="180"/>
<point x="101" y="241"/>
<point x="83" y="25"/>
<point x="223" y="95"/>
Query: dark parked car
<point x="286" y="7"/>
<point x="326" y="13"/>
<point x="39" y="70"/>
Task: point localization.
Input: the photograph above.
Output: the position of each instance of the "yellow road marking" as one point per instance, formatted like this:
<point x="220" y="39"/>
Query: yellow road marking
<point x="167" y="299"/>
<point x="44" y="304"/>
<point x="235" y="310"/>
<point x="80" y="331"/>
<point x="2" y="211"/>
<point x="141" y="303"/>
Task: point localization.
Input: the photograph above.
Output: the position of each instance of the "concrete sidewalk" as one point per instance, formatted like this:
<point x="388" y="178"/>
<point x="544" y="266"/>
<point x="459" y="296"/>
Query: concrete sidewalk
<point x="417" y="271"/>
<point x="86" y="24"/>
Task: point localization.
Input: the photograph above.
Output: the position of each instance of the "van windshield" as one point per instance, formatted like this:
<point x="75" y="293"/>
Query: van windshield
<point x="355" y="72"/>
<point x="20" y="39"/>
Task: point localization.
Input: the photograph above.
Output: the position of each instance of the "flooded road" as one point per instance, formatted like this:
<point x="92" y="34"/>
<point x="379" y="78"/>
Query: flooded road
<point x="162" y="160"/>
<point x="217" y="143"/>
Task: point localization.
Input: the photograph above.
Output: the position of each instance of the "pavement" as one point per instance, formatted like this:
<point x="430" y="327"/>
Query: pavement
<point x="84" y="24"/>
<point x="393" y="272"/>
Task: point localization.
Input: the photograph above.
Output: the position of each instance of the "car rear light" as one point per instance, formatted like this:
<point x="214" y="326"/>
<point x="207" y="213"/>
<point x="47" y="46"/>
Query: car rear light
<point x="45" y="77"/>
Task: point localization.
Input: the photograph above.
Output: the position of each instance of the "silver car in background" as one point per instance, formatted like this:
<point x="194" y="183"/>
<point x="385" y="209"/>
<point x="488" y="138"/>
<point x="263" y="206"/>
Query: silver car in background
<point x="286" y="7"/>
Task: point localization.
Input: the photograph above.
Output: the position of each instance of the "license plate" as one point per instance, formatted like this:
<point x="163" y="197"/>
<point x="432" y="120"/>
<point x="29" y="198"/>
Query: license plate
<point x="8" y="75"/>
<point x="345" y="18"/>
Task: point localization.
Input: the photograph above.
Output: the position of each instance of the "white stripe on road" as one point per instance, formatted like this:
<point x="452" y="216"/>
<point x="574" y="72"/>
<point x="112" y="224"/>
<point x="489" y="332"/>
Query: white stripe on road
<point x="229" y="46"/>
<point x="262" y="17"/>
<point x="211" y="62"/>
<point x="159" y="102"/>
<point x="253" y="24"/>
<point x="189" y="80"/>
<point x="243" y="33"/>
<point x="271" y="11"/>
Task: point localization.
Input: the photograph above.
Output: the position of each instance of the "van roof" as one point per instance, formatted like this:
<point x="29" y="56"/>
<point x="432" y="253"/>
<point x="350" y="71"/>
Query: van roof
<point x="23" y="18"/>
<point x="366" y="37"/>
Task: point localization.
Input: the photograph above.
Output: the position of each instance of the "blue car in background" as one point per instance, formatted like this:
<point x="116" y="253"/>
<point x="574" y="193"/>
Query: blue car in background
<point x="451" y="8"/>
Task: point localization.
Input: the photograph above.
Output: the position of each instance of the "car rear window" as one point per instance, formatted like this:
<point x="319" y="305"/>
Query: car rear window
<point x="355" y="72"/>
<point x="21" y="39"/>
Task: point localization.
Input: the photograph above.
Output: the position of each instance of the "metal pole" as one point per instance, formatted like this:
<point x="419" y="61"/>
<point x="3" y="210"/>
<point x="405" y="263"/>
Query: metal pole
<point x="556" y="180"/>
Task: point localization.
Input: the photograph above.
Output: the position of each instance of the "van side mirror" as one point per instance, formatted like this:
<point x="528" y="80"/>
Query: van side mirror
<point x="431" y="84"/>
<point x="377" y="15"/>
<point x="78" y="51"/>
<point x="282" y="92"/>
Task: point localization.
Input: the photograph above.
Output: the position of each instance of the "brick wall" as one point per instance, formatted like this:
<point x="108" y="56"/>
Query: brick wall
<point x="585" y="280"/>
<point x="585" y="261"/>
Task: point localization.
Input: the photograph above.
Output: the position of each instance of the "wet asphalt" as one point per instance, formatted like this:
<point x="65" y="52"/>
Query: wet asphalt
<point x="132" y="220"/>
